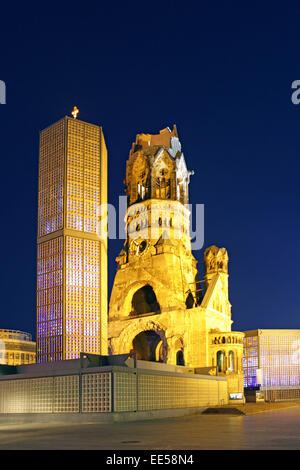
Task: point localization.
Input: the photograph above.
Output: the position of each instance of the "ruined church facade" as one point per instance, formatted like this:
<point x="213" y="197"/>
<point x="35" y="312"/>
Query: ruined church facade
<point x="159" y="308"/>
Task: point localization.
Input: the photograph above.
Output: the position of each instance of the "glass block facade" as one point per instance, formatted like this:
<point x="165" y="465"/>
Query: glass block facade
<point x="40" y="395"/>
<point x="276" y="353"/>
<point x="96" y="393"/>
<point x="71" y="258"/>
<point x="150" y="391"/>
<point x="50" y="299"/>
<point x="107" y="390"/>
<point x="51" y="179"/>
<point x="250" y="361"/>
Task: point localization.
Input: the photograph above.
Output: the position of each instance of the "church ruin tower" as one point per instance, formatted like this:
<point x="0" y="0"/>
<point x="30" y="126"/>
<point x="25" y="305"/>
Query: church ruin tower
<point x="157" y="272"/>
<point x="156" y="308"/>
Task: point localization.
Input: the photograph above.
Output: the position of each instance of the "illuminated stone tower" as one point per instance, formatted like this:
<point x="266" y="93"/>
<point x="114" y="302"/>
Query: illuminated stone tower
<point x="71" y="259"/>
<point x="156" y="279"/>
<point x="157" y="308"/>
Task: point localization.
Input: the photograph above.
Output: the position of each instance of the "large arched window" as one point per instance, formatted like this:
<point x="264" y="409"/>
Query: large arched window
<point x="220" y="361"/>
<point x="148" y="346"/>
<point x="231" y="361"/>
<point x="144" y="301"/>
<point x="162" y="188"/>
<point x="189" y="301"/>
<point x="180" y="358"/>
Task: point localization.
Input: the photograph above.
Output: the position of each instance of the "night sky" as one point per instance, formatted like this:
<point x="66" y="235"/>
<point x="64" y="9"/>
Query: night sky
<point x="221" y="71"/>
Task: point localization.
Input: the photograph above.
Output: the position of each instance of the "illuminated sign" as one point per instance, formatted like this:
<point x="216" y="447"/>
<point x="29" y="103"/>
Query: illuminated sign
<point x="236" y="396"/>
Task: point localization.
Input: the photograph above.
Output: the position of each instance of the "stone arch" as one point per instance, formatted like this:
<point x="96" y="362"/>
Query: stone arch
<point x="189" y="301"/>
<point x="133" y="288"/>
<point x="138" y="326"/>
<point x="163" y="176"/>
<point x="148" y="346"/>
<point x="180" y="358"/>
<point x="176" y="344"/>
<point x="144" y="301"/>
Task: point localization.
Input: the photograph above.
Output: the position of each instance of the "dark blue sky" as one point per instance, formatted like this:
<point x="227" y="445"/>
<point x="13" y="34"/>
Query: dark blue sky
<point x="222" y="71"/>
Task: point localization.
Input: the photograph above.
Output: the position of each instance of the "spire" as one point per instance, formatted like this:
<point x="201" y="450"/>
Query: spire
<point x="215" y="261"/>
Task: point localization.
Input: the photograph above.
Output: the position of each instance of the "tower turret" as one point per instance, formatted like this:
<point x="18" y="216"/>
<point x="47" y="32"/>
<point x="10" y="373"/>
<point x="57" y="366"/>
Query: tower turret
<point x="156" y="168"/>
<point x="215" y="261"/>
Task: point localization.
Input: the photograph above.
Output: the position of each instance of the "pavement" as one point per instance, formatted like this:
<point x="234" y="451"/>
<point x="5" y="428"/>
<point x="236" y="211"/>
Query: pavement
<point x="279" y="428"/>
<point x="250" y="408"/>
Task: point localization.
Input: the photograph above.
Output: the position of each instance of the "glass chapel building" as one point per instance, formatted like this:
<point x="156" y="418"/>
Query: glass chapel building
<point x="71" y="258"/>
<point x="271" y="362"/>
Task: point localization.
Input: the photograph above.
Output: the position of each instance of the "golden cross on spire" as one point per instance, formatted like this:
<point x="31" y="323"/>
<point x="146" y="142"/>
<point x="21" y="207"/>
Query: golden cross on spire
<point x="75" y="112"/>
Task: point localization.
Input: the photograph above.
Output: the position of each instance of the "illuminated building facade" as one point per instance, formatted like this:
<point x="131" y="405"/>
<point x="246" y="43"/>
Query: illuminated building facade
<point x="71" y="258"/>
<point x="276" y="356"/>
<point x="16" y="347"/>
<point x="158" y="307"/>
<point x="107" y="385"/>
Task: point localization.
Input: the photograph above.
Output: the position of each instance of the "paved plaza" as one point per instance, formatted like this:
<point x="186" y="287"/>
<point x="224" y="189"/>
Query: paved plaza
<point x="272" y="430"/>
